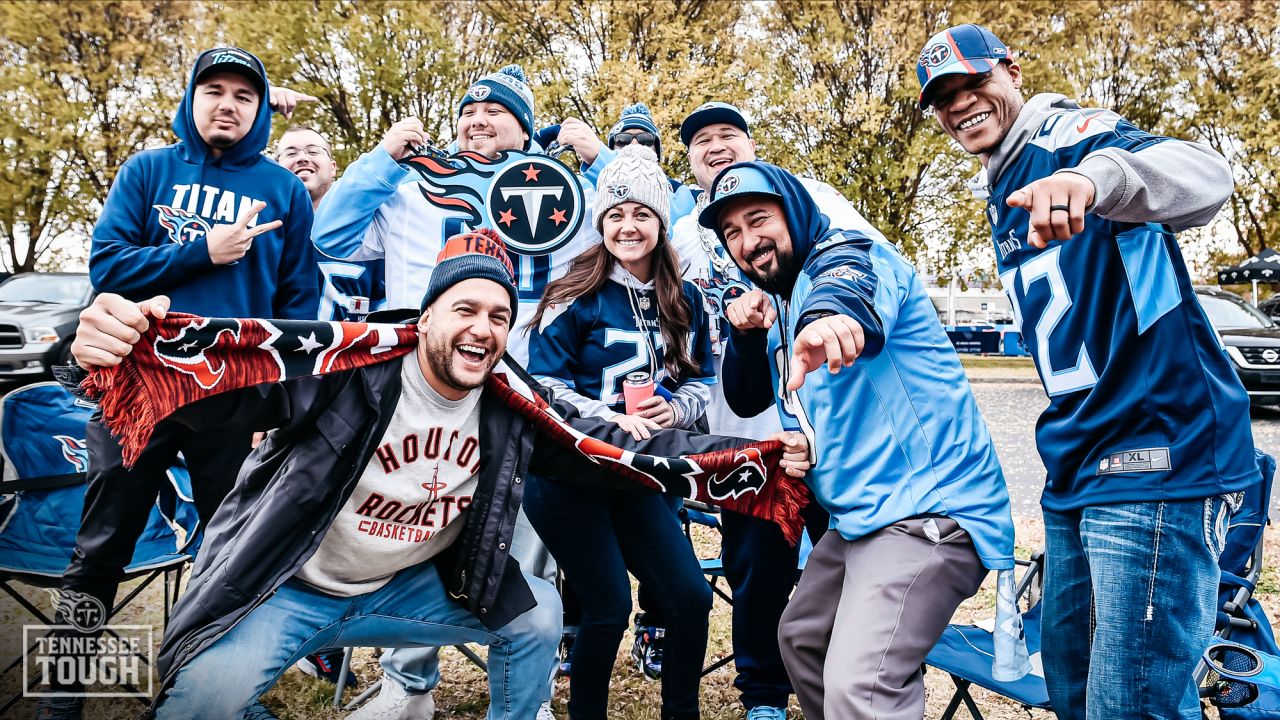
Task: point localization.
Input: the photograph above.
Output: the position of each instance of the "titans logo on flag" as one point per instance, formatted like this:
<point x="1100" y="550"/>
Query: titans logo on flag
<point x="748" y="477"/>
<point x="186" y="352"/>
<point x="534" y="202"/>
<point x="75" y="451"/>
<point x="184" y="227"/>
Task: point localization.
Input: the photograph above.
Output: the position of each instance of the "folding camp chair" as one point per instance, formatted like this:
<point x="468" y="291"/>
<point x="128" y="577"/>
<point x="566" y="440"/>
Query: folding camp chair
<point x="42" y="446"/>
<point x="696" y="513"/>
<point x="1240" y="617"/>
<point x="965" y="652"/>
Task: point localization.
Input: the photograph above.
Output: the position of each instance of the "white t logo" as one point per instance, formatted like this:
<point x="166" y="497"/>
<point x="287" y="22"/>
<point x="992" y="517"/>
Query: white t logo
<point x="532" y="198"/>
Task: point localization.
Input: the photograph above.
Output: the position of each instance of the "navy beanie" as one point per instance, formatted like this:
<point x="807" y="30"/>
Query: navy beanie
<point x="478" y="254"/>
<point x="637" y="117"/>
<point x="509" y="88"/>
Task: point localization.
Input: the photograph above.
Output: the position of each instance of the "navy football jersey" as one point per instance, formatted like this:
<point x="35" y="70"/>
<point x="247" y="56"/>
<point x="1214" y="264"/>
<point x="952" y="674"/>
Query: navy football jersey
<point x="1143" y="402"/>
<point x="592" y="343"/>
<point x="342" y="281"/>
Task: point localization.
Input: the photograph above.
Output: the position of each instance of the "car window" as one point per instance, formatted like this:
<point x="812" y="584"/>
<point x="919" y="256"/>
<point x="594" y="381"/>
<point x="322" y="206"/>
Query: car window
<point x="1227" y="313"/>
<point x="38" y="288"/>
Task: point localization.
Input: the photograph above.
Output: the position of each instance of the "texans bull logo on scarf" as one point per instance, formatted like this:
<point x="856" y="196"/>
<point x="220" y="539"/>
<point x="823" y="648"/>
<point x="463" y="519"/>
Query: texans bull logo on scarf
<point x="184" y="358"/>
<point x="534" y="202"/>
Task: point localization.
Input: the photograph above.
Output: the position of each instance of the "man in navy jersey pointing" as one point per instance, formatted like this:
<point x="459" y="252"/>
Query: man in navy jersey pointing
<point x="1146" y="439"/>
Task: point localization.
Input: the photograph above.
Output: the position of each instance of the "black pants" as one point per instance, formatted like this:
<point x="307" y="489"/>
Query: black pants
<point x="118" y="502"/>
<point x="761" y="569"/>
<point x="597" y="538"/>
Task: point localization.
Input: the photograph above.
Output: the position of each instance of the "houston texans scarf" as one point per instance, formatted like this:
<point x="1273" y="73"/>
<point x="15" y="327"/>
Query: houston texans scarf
<point x="184" y="358"/>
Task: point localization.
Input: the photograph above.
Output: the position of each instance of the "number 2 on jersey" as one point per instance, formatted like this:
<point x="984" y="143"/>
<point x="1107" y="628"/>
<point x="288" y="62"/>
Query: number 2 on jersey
<point x="1045" y="266"/>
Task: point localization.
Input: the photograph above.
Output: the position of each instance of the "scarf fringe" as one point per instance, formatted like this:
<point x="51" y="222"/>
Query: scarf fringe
<point x="790" y="496"/>
<point x="127" y="408"/>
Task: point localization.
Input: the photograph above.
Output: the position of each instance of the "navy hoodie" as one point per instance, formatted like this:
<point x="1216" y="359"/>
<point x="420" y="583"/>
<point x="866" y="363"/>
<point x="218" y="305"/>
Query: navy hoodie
<point x="150" y="238"/>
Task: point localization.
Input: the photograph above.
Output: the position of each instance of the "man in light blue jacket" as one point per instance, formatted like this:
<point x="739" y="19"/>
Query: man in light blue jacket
<point x="904" y="462"/>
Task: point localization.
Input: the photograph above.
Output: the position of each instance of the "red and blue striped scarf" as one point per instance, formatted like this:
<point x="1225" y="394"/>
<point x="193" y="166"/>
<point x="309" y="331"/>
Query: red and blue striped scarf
<point x="184" y="358"/>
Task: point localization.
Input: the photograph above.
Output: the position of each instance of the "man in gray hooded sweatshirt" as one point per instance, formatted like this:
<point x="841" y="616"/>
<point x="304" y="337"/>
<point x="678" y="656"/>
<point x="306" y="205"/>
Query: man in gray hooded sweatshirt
<point x="1146" y="440"/>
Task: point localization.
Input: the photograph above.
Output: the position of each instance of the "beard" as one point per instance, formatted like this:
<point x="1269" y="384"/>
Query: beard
<point x="439" y="351"/>
<point x="779" y="277"/>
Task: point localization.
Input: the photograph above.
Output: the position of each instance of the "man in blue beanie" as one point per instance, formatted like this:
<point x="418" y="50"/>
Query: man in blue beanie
<point x="379" y="209"/>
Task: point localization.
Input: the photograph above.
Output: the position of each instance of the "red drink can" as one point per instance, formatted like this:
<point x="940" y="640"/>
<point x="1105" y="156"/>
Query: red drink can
<point x="636" y="388"/>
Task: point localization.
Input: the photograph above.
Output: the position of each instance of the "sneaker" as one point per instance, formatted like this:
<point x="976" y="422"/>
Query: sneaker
<point x="544" y="712"/>
<point x="326" y="665"/>
<point x="258" y="711"/>
<point x="646" y="651"/>
<point x="60" y="707"/>
<point x="394" y="702"/>
<point x="764" y="712"/>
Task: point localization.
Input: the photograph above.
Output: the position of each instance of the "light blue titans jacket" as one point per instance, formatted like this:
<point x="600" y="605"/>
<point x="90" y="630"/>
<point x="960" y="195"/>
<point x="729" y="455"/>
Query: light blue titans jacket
<point x="897" y="434"/>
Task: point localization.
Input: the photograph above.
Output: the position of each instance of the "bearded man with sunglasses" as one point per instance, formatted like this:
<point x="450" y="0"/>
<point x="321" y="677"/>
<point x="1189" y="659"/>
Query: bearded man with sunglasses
<point x="1146" y="439"/>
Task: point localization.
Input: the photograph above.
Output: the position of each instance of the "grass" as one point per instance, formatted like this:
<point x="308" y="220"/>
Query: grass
<point x="996" y="362"/>
<point x="463" y="694"/>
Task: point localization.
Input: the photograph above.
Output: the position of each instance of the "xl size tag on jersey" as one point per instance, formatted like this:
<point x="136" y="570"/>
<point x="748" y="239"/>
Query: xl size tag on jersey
<point x="1130" y="461"/>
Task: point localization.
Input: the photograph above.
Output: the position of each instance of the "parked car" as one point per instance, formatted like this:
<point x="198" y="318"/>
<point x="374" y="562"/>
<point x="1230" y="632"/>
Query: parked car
<point x="1271" y="307"/>
<point x="38" y="317"/>
<point x="1252" y="340"/>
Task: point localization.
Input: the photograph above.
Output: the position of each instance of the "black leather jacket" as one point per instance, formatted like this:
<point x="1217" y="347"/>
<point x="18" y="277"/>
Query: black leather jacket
<point x="293" y="485"/>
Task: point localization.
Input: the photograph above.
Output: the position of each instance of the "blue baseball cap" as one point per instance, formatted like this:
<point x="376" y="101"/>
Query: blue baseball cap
<point x="710" y="114"/>
<point x="963" y="49"/>
<point x="734" y="182"/>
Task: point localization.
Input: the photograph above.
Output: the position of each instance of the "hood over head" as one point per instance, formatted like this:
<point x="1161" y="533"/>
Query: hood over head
<point x="249" y="149"/>
<point x="807" y="226"/>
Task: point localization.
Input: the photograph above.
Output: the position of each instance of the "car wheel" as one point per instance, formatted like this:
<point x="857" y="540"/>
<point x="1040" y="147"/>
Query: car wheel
<point x="64" y="354"/>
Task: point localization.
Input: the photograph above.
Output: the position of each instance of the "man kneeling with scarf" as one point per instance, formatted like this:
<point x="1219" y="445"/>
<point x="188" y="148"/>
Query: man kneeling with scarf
<point x="380" y="510"/>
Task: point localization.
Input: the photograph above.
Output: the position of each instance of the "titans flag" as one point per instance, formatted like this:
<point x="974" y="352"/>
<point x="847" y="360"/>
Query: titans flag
<point x="183" y="358"/>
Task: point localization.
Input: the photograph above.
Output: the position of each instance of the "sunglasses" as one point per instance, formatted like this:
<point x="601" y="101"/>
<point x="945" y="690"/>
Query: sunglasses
<point x="941" y="102"/>
<point x="646" y="139"/>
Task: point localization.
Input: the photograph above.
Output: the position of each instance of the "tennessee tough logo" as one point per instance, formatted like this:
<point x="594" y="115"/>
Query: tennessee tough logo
<point x="534" y="202"/>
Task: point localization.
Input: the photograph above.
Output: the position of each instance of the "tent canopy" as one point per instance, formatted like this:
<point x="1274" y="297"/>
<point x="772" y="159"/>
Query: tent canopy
<point x="1263" y="267"/>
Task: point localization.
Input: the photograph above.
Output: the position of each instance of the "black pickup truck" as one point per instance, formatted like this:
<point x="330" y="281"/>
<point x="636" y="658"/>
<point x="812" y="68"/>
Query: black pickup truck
<point x="38" y="317"/>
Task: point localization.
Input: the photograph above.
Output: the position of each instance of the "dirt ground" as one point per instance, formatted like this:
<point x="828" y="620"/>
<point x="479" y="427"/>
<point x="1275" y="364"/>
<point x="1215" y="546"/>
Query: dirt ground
<point x="463" y="692"/>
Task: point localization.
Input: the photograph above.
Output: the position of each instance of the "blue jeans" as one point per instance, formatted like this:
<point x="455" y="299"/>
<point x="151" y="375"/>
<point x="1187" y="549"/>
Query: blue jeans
<point x="1149" y="574"/>
<point x="417" y="669"/>
<point x="412" y="610"/>
<point x="596" y="538"/>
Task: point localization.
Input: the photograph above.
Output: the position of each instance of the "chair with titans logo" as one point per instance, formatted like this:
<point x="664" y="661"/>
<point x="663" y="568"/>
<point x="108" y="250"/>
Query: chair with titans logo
<point x="45" y="459"/>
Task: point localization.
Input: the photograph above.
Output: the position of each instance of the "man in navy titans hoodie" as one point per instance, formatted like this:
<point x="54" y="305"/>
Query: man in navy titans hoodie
<point x="224" y="232"/>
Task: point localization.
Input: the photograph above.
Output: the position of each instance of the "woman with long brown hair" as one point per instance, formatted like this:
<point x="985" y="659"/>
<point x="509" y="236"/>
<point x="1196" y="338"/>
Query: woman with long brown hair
<point x="619" y="322"/>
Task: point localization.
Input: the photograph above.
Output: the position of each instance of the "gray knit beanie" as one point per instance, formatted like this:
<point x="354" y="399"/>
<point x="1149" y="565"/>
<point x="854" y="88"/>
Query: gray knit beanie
<point x="634" y="176"/>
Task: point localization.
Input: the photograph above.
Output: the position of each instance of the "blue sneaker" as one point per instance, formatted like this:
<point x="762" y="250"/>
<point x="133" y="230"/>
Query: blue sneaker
<point x="566" y="650"/>
<point x="326" y="665"/>
<point x="646" y="651"/>
<point x="764" y="712"/>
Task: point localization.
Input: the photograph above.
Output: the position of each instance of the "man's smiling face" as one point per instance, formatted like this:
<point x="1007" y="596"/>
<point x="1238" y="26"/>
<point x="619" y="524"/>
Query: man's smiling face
<point x="716" y="147"/>
<point x="978" y="110"/>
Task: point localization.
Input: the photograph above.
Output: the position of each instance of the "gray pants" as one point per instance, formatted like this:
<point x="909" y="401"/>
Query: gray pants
<point x="866" y="613"/>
